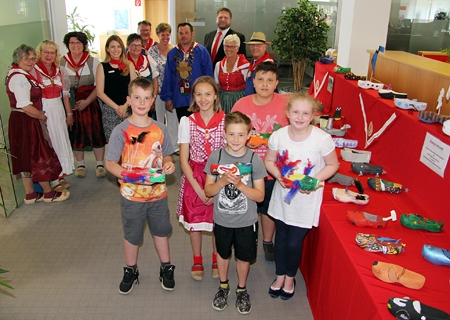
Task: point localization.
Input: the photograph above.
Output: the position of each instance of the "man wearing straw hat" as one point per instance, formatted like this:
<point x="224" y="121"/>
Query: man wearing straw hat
<point x="258" y="47"/>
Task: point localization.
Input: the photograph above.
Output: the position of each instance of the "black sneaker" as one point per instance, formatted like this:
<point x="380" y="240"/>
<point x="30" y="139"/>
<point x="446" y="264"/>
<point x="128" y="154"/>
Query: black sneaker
<point x="129" y="278"/>
<point x="243" y="304"/>
<point x="166" y="277"/>
<point x="220" y="299"/>
<point x="269" y="255"/>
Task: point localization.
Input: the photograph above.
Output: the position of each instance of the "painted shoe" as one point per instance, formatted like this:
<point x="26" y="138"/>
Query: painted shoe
<point x="335" y="132"/>
<point x="406" y="104"/>
<point x="347" y="196"/>
<point x="390" y="94"/>
<point x="237" y="168"/>
<point x="345" y="143"/>
<point x="365" y="168"/>
<point x="374" y="243"/>
<point x="352" y="76"/>
<point x="435" y="255"/>
<point x="378" y="184"/>
<point x="364" y="219"/>
<point x="416" y="222"/>
<point x="446" y="127"/>
<point x="343" y="180"/>
<point x="326" y="60"/>
<point x="352" y="155"/>
<point x="405" y="308"/>
<point x="339" y="69"/>
<point x="370" y="85"/>
<point x="392" y="273"/>
<point x="432" y="117"/>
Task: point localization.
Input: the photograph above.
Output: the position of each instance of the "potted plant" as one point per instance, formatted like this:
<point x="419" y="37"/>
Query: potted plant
<point x="76" y="23"/>
<point x="301" y="36"/>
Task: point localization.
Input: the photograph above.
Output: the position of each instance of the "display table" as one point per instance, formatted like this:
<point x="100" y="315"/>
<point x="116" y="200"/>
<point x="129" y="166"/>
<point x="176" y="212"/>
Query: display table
<point x="339" y="280"/>
<point x="435" y="55"/>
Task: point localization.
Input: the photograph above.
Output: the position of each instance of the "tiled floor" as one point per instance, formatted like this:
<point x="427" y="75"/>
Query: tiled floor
<point x="65" y="261"/>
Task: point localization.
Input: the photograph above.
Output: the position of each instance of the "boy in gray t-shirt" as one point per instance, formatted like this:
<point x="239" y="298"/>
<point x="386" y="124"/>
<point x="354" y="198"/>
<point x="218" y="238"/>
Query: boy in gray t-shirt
<point x="235" y="211"/>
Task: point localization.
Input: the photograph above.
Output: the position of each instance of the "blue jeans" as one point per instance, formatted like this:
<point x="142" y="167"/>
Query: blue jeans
<point x="288" y="248"/>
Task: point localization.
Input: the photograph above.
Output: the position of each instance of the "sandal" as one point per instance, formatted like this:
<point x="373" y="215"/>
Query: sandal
<point x="378" y="184"/>
<point x="406" y="104"/>
<point x="370" y="85"/>
<point x="58" y="196"/>
<point x="39" y="197"/>
<point x="416" y="222"/>
<point x="347" y="196"/>
<point x="364" y="219"/>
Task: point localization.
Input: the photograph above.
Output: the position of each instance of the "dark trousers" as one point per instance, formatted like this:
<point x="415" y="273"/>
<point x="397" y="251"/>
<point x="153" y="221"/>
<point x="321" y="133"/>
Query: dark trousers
<point x="288" y="248"/>
<point x="182" y="112"/>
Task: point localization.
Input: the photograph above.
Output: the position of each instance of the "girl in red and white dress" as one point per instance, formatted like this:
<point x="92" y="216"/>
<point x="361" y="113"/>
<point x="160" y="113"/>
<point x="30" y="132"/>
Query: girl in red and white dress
<point x="198" y="135"/>
<point x="58" y="111"/>
<point x="231" y="73"/>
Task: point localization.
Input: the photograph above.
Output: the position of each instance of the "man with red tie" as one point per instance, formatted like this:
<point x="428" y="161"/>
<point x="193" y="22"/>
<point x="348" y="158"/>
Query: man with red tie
<point x="214" y="40"/>
<point x="145" y="30"/>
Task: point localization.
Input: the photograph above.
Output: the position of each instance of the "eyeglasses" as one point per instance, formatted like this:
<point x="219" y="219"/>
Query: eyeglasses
<point x="28" y="59"/>
<point x="229" y="47"/>
<point x="49" y="52"/>
<point x="136" y="45"/>
<point x="75" y="43"/>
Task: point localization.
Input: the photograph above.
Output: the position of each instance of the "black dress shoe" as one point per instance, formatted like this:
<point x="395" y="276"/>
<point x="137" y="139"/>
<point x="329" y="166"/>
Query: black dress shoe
<point x="274" y="293"/>
<point x="286" y="295"/>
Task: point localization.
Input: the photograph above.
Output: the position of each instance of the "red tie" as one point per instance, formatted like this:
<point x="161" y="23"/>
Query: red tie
<point x="216" y="44"/>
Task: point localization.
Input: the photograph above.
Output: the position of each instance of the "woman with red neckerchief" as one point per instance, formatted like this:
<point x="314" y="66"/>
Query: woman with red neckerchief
<point x="231" y="73"/>
<point x="58" y="111"/>
<point x="86" y="132"/>
<point x="144" y="64"/>
<point x="113" y="77"/>
<point x="33" y="158"/>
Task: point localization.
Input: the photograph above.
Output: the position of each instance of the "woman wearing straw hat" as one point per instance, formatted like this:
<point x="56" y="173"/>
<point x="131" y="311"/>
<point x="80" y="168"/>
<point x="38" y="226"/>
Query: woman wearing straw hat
<point x="258" y="47"/>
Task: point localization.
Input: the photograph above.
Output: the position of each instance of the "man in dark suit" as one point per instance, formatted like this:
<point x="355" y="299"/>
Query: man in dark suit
<point x="223" y="21"/>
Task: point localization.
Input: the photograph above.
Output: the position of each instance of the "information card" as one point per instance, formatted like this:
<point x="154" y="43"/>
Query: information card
<point x="435" y="154"/>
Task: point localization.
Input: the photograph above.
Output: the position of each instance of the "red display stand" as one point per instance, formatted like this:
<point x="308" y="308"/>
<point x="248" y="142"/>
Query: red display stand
<point x="338" y="275"/>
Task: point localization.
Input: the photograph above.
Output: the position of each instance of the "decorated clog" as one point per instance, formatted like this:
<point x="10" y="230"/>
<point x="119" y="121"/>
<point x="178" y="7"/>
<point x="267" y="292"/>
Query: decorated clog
<point x="435" y="255"/>
<point x="364" y="219"/>
<point x="406" y="308"/>
<point x="237" y="168"/>
<point x="378" y="184"/>
<point x="416" y="222"/>
<point x="347" y="196"/>
<point x="374" y="243"/>
<point x="392" y="273"/>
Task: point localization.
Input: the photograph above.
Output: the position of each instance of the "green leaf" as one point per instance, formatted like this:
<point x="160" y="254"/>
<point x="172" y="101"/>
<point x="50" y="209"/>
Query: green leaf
<point x="6" y="284"/>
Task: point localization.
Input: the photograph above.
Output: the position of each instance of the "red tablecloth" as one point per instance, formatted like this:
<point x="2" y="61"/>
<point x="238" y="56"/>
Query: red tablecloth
<point x="340" y="283"/>
<point x="319" y="86"/>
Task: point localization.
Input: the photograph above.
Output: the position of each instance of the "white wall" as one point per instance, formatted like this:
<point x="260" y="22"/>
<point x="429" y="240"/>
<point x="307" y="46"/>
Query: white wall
<point x="100" y="14"/>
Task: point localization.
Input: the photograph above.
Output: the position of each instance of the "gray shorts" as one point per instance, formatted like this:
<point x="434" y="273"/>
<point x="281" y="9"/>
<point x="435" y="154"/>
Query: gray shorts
<point x="135" y="214"/>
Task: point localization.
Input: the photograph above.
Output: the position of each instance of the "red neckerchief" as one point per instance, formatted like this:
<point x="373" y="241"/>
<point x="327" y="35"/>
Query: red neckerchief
<point x="242" y="62"/>
<point x="140" y="62"/>
<point x="29" y="76"/>
<point x="188" y="51"/>
<point x="42" y="69"/>
<point x="77" y="66"/>
<point x="214" y="122"/>
<point x="120" y="64"/>
<point x="263" y="58"/>
<point x="151" y="42"/>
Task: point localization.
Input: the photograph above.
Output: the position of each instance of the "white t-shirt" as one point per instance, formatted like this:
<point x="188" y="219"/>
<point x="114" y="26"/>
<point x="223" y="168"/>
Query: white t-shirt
<point x="304" y="209"/>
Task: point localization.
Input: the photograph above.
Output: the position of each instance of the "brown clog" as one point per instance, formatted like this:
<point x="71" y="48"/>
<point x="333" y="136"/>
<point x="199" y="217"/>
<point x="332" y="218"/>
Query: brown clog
<point x="392" y="273"/>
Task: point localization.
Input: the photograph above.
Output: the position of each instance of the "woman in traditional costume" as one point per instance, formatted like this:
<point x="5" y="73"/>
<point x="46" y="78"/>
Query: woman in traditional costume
<point x="86" y="132"/>
<point x="230" y="73"/>
<point x="32" y="156"/>
<point x="58" y="111"/>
